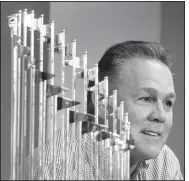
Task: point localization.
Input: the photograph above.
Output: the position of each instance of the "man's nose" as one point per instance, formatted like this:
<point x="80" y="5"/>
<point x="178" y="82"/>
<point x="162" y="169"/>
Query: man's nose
<point x="158" y="113"/>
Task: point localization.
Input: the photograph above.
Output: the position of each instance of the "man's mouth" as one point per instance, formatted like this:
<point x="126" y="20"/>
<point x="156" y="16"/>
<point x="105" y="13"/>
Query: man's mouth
<point x="151" y="133"/>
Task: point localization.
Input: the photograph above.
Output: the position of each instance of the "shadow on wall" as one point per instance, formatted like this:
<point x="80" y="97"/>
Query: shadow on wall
<point x="172" y="37"/>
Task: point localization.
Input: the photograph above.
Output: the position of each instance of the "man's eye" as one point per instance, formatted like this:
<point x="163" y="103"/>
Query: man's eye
<point x="168" y="103"/>
<point x="146" y="99"/>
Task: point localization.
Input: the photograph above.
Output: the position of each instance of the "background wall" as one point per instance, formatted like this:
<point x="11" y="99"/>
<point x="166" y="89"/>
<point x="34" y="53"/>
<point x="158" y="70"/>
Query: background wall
<point x="172" y="37"/>
<point x="96" y="26"/>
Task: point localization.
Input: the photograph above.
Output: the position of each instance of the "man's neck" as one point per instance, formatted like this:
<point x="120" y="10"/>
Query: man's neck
<point x="133" y="165"/>
<point x="132" y="168"/>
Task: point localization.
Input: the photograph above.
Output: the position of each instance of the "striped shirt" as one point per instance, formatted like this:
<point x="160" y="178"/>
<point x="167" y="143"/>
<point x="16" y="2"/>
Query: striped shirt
<point x="164" y="167"/>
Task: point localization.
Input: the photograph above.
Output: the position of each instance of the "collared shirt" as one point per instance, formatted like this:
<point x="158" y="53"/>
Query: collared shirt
<point x="165" y="167"/>
<point x="99" y="163"/>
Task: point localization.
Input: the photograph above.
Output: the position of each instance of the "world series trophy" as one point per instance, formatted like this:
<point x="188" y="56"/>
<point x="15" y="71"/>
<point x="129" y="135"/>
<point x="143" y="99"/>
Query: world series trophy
<point x="86" y="149"/>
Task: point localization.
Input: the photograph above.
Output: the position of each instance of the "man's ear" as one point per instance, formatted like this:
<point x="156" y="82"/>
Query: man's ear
<point x="100" y="106"/>
<point x="93" y="97"/>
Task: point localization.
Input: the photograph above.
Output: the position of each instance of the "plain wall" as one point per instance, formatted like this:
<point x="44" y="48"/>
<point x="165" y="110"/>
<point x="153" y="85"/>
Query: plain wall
<point x="98" y="25"/>
<point x="8" y="8"/>
<point x="172" y="37"/>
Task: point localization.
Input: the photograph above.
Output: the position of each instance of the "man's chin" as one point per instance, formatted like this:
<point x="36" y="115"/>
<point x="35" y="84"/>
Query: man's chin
<point x="151" y="154"/>
<point x="146" y="153"/>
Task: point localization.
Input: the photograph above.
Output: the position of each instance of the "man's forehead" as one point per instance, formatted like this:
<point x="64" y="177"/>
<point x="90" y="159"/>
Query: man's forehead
<point x="138" y="73"/>
<point x="145" y="68"/>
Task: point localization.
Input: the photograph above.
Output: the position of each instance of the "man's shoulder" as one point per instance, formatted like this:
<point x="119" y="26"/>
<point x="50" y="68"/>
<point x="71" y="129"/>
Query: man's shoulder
<point x="167" y="152"/>
<point x="166" y="155"/>
<point x="165" y="166"/>
<point x="169" y="157"/>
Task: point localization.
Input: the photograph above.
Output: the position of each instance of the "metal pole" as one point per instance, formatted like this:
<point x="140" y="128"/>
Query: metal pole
<point x="114" y="130"/>
<point x="67" y="142"/>
<point x="122" y="138"/>
<point x="54" y="137"/>
<point x="32" y="101"/>
<point x="96" y="116"/>
<point x="106" y="93"/>
<point x="127" y="153"/>
<point x="85" y="109"/>
<point x="13" y="97"/>
<point x="44" y="128"/>
<point x="50" y="106"/>
<point x="63" y="151"/>
<point x="24" y="99"/>
<point x="40" y="133"/>
<point x="18" y="95"/>
<point x="75" y="125"/>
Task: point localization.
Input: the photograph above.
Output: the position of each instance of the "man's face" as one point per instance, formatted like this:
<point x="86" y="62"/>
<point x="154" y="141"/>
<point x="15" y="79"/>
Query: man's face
<point x="147" y="89"/>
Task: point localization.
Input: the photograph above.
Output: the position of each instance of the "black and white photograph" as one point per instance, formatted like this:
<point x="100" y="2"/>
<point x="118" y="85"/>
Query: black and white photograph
<point x="93" y="90"/>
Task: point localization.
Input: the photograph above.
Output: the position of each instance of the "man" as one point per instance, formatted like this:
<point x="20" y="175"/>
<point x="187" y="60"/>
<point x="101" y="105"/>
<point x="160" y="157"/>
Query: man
<point x="140" y="72"/>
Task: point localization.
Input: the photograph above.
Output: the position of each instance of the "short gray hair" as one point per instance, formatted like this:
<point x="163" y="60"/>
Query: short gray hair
<point x="117" y="54"/>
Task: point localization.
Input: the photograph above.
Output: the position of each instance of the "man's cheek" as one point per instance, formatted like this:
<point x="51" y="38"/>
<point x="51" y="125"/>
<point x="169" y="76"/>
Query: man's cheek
<point x="137" y="113"/>
<point x="168" y="124"/>
<point x="170" y="121"/>
<point x="135" y="132"/>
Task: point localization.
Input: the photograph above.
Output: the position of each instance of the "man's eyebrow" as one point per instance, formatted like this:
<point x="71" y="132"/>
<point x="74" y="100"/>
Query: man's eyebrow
<point x="148" y="89"/>
<point x="171" y="95"/>
<point x="152" y="90"/>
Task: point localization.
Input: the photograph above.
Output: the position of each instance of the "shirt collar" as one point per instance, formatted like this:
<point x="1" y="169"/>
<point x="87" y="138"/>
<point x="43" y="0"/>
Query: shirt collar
<point x="140" y="169"/>
<point x="143" y="164"/>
